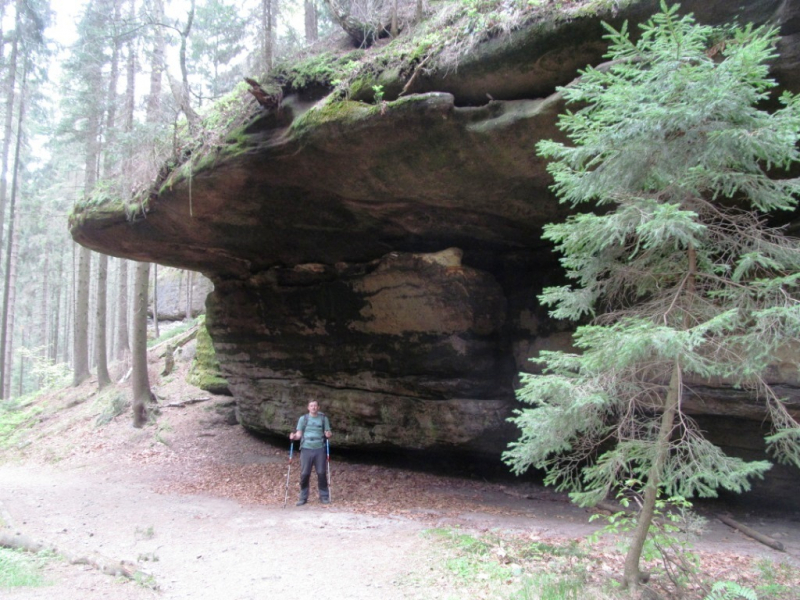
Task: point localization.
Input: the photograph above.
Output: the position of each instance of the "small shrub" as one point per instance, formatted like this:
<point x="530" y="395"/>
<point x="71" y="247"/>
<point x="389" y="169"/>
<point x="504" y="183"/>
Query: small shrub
<point x="115" y="403"/>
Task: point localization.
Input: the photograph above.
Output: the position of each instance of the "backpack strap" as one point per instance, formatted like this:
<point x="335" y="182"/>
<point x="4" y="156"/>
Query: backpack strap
<point x="305" y="421"/>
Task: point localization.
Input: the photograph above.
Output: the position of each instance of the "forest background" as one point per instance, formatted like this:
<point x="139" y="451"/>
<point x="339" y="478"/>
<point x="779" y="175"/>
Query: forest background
<point x="91" y="95"/>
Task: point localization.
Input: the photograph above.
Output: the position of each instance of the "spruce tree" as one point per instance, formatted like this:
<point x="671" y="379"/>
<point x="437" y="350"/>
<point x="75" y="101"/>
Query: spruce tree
<point x="677" y="274"/>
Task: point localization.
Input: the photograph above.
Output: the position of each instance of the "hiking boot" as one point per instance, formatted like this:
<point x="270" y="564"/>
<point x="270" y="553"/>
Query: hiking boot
<point x="324" y="501"/>
<point x="300" y="503"/>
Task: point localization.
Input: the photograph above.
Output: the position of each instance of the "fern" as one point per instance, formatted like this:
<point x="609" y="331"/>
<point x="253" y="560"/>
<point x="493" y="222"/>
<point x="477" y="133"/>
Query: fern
<point x="730" y="590"/>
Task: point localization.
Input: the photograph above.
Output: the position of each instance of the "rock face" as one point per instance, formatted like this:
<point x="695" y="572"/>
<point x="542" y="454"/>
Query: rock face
<point x="407" y="350"/>
<point x="385" y="260"/>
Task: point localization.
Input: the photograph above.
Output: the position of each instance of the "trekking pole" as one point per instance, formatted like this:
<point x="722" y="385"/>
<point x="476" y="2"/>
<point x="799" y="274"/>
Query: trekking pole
<point x="328" y="467"/>
<point x="286" y="495"/>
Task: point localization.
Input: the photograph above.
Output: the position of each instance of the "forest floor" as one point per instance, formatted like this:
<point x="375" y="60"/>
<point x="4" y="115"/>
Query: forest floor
<point x="195" y="505"/>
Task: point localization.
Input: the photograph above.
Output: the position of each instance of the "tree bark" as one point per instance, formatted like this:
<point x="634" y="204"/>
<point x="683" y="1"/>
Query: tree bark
<point x="54" y="339"/>
<point x="140" y="379"/>
<point x="267" y="31"/>
<point x="103" y="378"/>
<point x="632" y="575"/>
<point x="311" y="21"/>
<point x="80" y="340"/>
<point x="11" y="85"/>
<point x="123" y="348"/>
<point x="10" y="300"/>
<point x="155" y="300"/>
<point x="6" y="335"/>
<point x="189" y="285"/>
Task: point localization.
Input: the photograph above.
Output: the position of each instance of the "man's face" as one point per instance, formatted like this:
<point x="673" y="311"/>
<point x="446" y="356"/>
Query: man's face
<point x="313" y="407"/>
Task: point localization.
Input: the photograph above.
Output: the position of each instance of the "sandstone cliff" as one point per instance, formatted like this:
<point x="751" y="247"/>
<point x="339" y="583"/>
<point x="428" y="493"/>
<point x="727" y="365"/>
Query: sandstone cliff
<point x="384" y="258"/>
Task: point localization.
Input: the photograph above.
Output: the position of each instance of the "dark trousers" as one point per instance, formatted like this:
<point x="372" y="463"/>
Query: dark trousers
<point x="317" y="459"/>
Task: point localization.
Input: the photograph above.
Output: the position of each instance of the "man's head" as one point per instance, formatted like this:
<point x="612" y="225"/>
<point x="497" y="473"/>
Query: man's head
<point x="313" y="408"/>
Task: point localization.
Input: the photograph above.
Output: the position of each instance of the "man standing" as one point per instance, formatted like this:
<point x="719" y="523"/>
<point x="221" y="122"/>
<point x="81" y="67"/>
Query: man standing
<point x="313" y="428"/>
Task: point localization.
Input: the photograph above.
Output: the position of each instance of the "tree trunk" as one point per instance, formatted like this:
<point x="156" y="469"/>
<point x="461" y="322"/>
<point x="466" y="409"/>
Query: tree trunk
<point x="181" y="91"/>
<point x="7" y="328"/>
<point x="80" y="340"/>
<point x="267" y="31"/>
<point x="632" y="575"/>
<point x="44" y="319"/>
<point x="123" y="345"/>
<point x="8" y="128"/>
<point x="189" y="284"/>
<point x="155" y="301"/>
<point x="53" y="348"/>
<point x="100" y="342"/>
<point x="10" y="298"/>
<point x="140" y="379"/>
<point x="311" y="21"/>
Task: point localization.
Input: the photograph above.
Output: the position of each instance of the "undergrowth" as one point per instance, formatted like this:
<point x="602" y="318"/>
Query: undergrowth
<point x="505" y="565"/>
<point x="16" y="417"/>
<point x="18" y="569"/>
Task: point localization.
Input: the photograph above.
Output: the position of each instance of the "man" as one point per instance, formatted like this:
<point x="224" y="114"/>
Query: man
<point x="313" y="428"/>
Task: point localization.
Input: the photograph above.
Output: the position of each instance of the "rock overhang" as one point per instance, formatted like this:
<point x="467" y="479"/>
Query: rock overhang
<point x="298" y="213"/>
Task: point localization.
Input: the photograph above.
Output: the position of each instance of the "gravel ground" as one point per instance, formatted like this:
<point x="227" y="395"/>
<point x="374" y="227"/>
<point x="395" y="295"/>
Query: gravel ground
<point x="194" y="504"/>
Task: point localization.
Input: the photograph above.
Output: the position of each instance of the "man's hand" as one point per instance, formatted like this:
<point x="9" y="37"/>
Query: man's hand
<point x="328" y="434"/>
<point x="294" y="436"/>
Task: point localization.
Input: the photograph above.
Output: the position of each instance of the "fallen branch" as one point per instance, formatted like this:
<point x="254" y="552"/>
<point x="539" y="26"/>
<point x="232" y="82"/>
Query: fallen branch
<point x="179" y="340"/>
<point x="183" y="403"/>
<point x="416" y="73"/>
<point x="750" y="532"/>
<point x="18" y="541"/>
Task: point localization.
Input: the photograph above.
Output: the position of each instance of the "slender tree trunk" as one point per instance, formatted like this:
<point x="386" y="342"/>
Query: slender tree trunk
<point x="101" y="314"/>
<point x="71" y="301"/>
<point x="45" y="312"/>
<point x="181" y="91"/>
<point x="53" y="348"/>
<point x="311" y="21"/>
<point x="11" y="84"/>
<point x="7" y="328"/>
<point x="21" y="380"/>
<point x="267" y="31"/>
<point x="155" y="300"/>
<point x="10" y="301"/>
<point x="122" y="346"/>
<point x="140" y="378"/>
<point x="632" y="575"/>
<point x="189" y="283"/>
<point x="103" y="378"/>
<point x="80" y="339"/>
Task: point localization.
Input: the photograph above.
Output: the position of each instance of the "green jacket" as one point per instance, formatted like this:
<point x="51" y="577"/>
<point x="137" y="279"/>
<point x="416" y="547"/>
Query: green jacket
<point x="313" y="429"/>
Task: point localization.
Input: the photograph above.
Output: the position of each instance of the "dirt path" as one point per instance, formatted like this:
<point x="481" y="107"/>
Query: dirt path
<point x="197" y="503"/>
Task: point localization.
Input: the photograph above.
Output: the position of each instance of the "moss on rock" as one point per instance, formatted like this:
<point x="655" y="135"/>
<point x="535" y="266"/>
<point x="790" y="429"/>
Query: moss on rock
<point x="205" y="372"/>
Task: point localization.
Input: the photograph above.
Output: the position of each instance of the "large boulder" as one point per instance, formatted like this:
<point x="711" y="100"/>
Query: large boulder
<point x="385" y="258"/>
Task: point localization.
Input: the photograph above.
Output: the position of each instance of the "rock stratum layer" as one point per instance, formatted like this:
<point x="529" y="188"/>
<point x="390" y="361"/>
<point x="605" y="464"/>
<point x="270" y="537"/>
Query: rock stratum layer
<point x="385" y="259"/>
